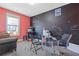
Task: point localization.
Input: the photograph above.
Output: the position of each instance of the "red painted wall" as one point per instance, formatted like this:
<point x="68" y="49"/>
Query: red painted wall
<point x="24" y="21"/>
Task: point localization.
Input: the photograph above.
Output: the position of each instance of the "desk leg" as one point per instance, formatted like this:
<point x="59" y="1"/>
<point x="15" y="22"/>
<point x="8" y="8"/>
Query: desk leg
<point x="56" y="48"/>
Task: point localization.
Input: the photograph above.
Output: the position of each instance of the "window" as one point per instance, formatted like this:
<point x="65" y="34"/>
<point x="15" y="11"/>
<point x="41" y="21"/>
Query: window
<point x="58" y="12"/>
<point x="13" y="24"/>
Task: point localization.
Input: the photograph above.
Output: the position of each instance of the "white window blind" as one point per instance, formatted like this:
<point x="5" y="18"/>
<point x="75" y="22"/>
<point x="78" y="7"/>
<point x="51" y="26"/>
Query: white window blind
<point x="13" y="24"/>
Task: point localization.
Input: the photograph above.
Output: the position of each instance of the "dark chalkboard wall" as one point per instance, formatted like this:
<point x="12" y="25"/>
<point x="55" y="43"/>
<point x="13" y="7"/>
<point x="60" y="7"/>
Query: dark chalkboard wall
<point x="68" y="19"/>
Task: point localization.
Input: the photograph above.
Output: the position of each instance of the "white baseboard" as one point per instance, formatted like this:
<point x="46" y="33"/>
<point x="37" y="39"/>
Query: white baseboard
<point x="73" y="47"/>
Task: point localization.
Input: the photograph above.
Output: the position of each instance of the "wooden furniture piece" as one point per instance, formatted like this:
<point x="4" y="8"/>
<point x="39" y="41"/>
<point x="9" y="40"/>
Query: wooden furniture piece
<point x="4" y="35"/>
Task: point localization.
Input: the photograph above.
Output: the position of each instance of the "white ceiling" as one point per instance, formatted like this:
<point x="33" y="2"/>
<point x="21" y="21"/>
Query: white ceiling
<point x="31" y="10"/>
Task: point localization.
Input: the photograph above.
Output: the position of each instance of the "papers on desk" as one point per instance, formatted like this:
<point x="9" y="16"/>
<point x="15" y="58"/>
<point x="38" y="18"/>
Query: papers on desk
<point x="54" y="38"/>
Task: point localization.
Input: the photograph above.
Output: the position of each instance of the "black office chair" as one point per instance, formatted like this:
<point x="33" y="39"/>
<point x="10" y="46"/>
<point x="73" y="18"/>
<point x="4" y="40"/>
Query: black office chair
<point x="64" y="42"/>
<point x="36" y="42"/>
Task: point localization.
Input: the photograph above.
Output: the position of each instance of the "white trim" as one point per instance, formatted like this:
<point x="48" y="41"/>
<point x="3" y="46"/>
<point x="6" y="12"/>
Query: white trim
<point x="73" y="47"/>
<point x="12" y="15"/>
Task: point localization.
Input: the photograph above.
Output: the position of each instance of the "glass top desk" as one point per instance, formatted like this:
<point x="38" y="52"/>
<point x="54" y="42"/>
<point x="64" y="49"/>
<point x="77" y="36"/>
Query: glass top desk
<point x="51" y="46"/>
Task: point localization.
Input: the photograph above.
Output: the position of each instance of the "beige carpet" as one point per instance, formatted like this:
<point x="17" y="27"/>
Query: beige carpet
<point x="23" y="49"/>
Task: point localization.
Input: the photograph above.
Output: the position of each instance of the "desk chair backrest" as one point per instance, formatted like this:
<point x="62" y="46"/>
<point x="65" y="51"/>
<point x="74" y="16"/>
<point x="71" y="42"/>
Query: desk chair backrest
<point x="65" y="40"/>
<point x="70" y="36"/>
